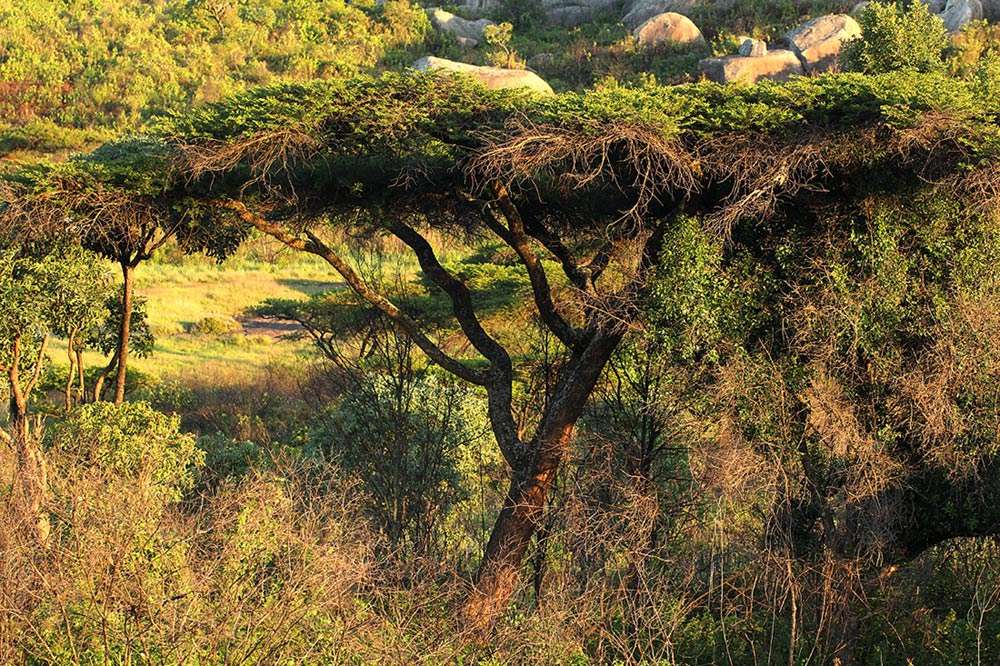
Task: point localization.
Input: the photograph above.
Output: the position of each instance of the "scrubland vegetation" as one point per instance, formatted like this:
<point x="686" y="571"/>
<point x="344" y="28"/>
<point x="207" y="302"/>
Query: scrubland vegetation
<point x="313" y="358"/>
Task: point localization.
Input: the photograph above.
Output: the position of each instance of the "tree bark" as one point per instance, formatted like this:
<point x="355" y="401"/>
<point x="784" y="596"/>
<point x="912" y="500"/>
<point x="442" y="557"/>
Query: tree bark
<point x="124" y="331"/>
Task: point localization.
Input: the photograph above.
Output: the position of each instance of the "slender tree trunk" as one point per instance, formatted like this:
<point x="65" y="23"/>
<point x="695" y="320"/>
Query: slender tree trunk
<point x="82" y="391"/>
<point x="124" y="330"/>
<point x="523" y="508"/>
<point x="18" y="400"/>
<point x="69" y="371"/>
<point x="98" y="392"/>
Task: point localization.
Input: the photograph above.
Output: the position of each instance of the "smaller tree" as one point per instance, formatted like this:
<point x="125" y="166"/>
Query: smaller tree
<point x="79" y="295"/>
<point x="498" y="36"/>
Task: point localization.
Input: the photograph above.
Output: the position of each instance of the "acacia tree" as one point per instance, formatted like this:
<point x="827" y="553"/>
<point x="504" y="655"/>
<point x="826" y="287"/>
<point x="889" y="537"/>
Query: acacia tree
<point x="592" y="182"/>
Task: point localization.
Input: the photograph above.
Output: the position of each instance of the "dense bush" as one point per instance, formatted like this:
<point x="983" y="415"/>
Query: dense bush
<point x="132" y="441"/>
<point x="896" y="38"/>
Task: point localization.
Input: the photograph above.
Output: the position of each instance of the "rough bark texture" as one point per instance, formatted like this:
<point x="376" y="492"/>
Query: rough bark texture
<point x="499" y="573"/>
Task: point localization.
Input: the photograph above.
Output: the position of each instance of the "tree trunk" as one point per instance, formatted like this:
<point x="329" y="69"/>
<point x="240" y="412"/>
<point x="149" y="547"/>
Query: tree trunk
<point x="123" y="332"/>
<point x="82" y="391"/>
<point x="499" y="572"/>
<point x="69" y="371"/>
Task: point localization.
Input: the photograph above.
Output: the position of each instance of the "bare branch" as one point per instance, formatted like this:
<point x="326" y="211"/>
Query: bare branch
<point x="313" y="245"/>
<point x="514" y="235"/>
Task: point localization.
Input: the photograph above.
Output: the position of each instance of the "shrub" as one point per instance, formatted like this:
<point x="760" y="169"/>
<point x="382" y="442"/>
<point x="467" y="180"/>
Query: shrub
<point x="419" y="444"/>
<point x="213" y="325"/>
<point x="897" y="39"/>
<point x="133" y="441"/>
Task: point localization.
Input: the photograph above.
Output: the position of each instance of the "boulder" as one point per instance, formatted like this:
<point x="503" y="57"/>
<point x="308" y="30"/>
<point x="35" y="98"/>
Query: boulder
<point x="494" y="78"/>
<point x="776" y="65"/>
<point x="752" y="48"/>
<point x="467" y="33"/>
<point x="934" y="6"/>
<point x="478" y="7"/>
<point x="643" y="10"/>
<point x="991" y="10"/>
<point x="818" y="42"/>
<point x="668" y="28"/>
<point x="958" y="13"/>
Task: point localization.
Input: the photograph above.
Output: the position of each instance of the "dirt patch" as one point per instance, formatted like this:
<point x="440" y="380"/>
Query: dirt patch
<point x="270" y="328"/>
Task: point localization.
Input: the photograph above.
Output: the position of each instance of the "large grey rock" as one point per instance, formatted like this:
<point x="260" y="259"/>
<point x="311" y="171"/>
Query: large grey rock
<point x="643" y="10"/>
<point x="776" y="65"/>
<point x="818" y="42"/>
<point x="492" y="77"/>
<point x="750" y="47"/>
<point x="959" y="13"/>
<point x="934" y="6"/>
<point x="468" y="33"/>
<point x="668" y="28"/>
<point x="859" y="8"/>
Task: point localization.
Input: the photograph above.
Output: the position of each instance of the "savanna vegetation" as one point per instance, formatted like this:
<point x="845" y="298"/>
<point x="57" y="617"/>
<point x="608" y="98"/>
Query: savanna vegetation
<point x="314" y="358"/>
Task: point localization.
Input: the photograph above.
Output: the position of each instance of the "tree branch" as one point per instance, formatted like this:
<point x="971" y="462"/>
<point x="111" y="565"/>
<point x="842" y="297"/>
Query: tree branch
<point x="499" y="386"/>
<point x="515" y="236"/>
<point x="313" y="245"/>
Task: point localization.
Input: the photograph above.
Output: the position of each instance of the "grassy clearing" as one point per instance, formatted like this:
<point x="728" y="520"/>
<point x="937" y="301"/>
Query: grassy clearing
<point x="183" y="295"/>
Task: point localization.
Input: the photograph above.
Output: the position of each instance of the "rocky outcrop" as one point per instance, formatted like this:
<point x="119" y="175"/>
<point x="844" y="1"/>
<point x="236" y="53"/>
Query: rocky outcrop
<point x="818" y="42"/>
<point x="934" y="6"/>
<point x="668" y="28"/>
<point x="643" y="10"/>
<point x="494" y="78"/>
<point x="467" y="33"/>
<point x="959" y="13"/>
<point x="776" y="65"/>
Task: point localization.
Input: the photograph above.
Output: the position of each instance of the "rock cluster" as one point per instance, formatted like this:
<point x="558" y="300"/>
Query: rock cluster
<point x="814" y="46"/>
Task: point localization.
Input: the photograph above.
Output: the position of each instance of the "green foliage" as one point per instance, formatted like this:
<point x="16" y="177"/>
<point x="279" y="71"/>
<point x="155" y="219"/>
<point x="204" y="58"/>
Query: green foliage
<point x="896" y="38"/>
<point x="79" y="294"/>
<point x="694" y="302"/>
<point x="104" y="335"/>
<point x="133" y="441"/>
<point x="421" y="446"/>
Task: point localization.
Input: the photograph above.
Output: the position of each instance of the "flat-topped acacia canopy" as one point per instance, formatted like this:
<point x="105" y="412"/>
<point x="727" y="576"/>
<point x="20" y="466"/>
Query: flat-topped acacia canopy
<point x="394" y="139"/>
<point x="594" y="179"/>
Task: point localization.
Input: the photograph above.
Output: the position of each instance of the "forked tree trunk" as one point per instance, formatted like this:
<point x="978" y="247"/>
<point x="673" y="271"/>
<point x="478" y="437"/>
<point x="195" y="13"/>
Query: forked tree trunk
<point x="499" y="574"/>
<point x="124" y="331"/>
